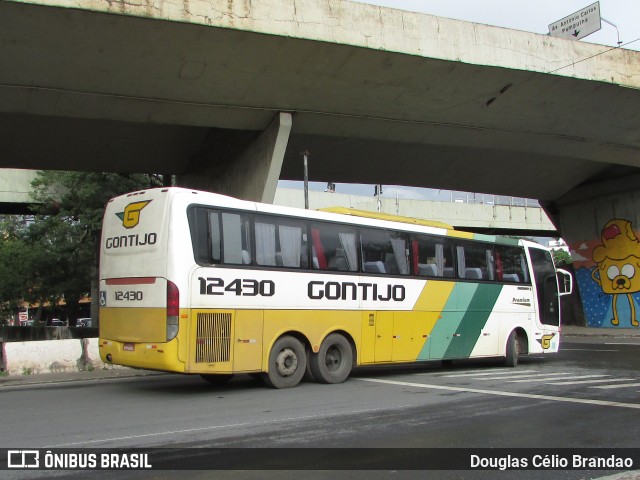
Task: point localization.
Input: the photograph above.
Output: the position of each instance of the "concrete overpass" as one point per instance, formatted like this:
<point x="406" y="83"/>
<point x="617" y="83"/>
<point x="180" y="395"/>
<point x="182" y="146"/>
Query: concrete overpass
<point x="227" y="93"/>
<point x="376" y="95"/>
<point x="524" y="220"/>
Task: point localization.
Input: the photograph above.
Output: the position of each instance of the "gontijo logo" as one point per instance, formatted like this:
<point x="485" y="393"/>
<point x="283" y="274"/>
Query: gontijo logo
<point x="131" y="215"/>
<point x="545" y="341"/>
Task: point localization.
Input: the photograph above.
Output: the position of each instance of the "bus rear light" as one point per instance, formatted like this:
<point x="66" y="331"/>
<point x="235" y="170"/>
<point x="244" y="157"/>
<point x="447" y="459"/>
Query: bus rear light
<point x="173" y="310"/>
<point x="173" y="300"/>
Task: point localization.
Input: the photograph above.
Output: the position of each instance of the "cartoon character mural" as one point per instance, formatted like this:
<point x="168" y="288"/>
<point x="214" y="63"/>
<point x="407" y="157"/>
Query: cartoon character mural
<point x="616" y="273"/>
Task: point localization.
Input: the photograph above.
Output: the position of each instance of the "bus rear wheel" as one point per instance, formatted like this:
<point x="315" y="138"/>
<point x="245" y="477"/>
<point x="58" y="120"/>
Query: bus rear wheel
<point x="512" y="350"/>
<point x="287" y="363"/>
<point x="333" y="362"/>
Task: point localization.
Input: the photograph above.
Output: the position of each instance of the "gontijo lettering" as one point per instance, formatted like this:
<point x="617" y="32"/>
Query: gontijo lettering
<point x="137" y="240"/>
<point x="353" y="291"/>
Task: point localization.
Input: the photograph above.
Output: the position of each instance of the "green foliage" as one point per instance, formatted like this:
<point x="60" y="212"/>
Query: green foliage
<point x="53" y="253"/>
<point x="19" y="264"/>
<point x="561" y="257"/>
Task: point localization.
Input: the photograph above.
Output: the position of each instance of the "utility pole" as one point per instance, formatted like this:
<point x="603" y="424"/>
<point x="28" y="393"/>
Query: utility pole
<point x="378" y="193"/>
<point x="305" y="155"/>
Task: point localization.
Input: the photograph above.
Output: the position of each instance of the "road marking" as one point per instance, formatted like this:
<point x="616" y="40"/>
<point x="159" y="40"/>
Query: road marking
<point x="229" y="425"/>
<point x="540" y="377"/>
<point x="623" y="343"/>
<point x="619" y="385"/>
<point x="480" y="374"/>
<point x="143" y="435"/>
<point x="533" y="377"/>
<point x="582" y="382"/>
<point x="582" y="377"/>
<point x="504" y="394"/>
<point x="591" y="349"/>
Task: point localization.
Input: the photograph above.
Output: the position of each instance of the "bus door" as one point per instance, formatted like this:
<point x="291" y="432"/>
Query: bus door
<point x="384" y="336"/>
<point x="547" y="297"/>
<point x="377" y="336"/>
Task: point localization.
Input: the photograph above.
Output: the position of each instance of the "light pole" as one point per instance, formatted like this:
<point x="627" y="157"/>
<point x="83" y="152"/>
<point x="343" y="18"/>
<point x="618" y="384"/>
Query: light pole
<point x="305" y="156"/>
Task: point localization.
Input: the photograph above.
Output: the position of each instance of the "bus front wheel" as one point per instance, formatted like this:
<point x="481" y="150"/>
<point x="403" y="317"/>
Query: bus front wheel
<point x="512" y="350"/>
<point x="287" y="363"/>
<point x="333" y="362"/>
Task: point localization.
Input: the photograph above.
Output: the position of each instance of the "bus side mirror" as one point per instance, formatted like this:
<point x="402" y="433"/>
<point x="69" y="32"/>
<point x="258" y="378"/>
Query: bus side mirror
<point x="565" y="282"/>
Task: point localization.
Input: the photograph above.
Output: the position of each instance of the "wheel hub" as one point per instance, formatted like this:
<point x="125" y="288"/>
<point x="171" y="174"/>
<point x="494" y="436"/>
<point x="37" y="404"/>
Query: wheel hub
<point x="333" y="359"/>
<point x="286" y="362"/>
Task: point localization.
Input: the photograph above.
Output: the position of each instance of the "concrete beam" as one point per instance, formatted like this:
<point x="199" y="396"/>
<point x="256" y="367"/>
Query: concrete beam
<point x="241" y="164"/>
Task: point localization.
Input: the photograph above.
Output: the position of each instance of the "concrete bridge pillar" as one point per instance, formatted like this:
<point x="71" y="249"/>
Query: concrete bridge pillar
<point x="241" y="164"/>
<point x="601" y="225"/>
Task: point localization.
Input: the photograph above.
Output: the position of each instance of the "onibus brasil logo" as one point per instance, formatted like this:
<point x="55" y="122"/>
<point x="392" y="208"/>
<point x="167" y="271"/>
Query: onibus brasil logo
<point x="131" y="215"/>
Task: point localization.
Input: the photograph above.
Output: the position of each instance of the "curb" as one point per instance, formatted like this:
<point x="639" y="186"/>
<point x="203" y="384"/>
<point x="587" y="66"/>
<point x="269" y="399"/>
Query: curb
<point x="74" y="376"/>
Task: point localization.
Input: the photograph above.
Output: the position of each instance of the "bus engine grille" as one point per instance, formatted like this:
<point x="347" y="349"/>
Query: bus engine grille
<point x="213" y="337"/>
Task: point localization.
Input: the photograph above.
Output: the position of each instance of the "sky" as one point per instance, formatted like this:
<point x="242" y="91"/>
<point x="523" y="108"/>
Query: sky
<point x="532" y="17"/>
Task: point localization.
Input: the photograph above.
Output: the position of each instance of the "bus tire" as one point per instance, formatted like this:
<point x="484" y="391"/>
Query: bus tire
<point x="217" y="378"/>
<point x="512" y="350"/>
<point x="333" y="362"/>
<point x="308" y="374"/>
<point x="287" y="363"/>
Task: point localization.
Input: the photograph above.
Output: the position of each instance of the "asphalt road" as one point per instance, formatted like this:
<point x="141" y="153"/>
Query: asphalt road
<point x="587" y="396"/>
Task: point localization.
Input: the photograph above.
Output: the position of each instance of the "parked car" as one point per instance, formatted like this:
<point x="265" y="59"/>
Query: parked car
<point x="56" y="322"/>
<point x="83" y="322"/>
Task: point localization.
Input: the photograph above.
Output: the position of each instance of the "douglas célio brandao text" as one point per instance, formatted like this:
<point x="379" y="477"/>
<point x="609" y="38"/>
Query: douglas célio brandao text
<point x="549" y="461"/>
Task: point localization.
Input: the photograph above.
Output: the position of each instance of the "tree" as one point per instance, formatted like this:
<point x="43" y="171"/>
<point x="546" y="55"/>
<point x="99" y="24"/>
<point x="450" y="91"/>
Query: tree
<point x="55" y="252"/>
<point x="561" y="257"/>
<point x="17" y="258"/>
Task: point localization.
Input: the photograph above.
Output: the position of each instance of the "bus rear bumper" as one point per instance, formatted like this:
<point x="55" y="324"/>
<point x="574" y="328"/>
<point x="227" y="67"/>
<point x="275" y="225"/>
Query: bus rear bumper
<point x="152" y="356"/>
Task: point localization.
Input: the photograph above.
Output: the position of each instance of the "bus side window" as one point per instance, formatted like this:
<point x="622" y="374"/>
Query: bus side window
<point x="510" y="264"/>
<point x="214" y="236"/>
<point x="334" y="248"/>
<point x="281" y="243"/>
<point x="204" y="225"/>
<point x="236" y="245"/>
<point x="384" y="252"/>
<point x="475" y="261"/>
<point x="433" y="257"/>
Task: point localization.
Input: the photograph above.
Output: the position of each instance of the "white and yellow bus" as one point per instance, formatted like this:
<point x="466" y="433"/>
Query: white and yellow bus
<point x="200" y="283"/>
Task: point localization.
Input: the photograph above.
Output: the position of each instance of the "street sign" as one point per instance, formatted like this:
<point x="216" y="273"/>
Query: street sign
<point x="579" y="24"/>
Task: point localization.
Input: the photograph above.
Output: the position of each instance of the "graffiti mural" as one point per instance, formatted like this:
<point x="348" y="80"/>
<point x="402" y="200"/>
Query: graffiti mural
<point x="608" y="275"/>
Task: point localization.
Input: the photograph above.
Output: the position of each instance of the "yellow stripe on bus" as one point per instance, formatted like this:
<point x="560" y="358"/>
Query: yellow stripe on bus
<point x="434" y="296"/>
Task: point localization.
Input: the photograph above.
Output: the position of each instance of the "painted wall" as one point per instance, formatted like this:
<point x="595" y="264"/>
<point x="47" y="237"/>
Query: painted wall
<point x="604" y="238"/>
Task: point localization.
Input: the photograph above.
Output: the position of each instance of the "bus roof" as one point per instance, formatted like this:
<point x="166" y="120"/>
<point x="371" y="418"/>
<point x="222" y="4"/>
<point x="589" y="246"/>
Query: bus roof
<point x="386" y="216"/>
<point x="359" y="217"/>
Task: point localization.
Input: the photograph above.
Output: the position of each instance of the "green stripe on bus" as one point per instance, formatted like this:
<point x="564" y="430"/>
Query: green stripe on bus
<point x="485" y="238"/>
<point x="449" y="321"/>
<point x="474" y="319"/>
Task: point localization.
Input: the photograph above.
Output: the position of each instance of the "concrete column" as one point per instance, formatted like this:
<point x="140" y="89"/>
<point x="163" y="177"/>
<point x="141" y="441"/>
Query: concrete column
<point x="241" y="164"/>
<point x="601" y="224"/>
